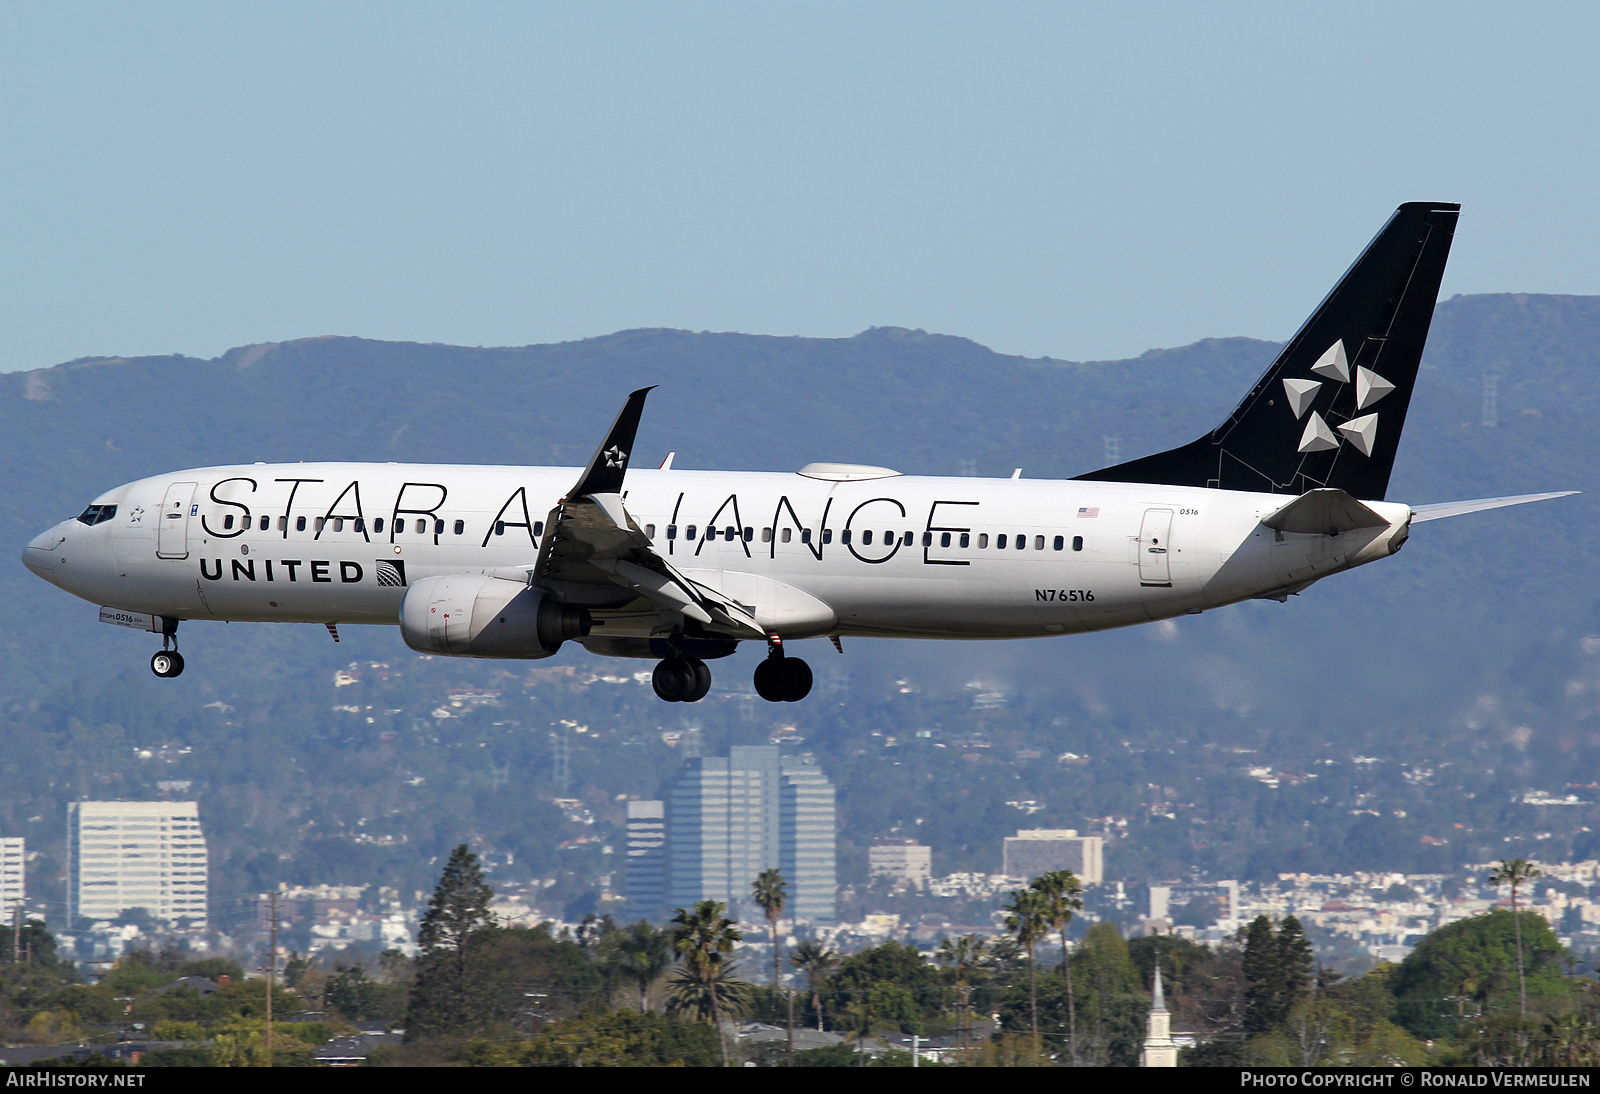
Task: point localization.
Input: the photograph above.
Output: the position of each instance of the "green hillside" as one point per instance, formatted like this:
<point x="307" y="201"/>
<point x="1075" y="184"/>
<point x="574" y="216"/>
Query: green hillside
<point x="1462" y="667"/>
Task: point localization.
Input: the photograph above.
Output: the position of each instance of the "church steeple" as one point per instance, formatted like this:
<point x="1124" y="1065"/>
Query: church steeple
<point x="1159" y="1048"/>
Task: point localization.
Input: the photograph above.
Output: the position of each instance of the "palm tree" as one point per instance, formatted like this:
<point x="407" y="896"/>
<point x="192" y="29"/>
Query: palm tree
<point x="816" y="961"/>
<point x="641" y="953"/>
<point x="1062" y="895"/>
<point x="964" y="953"/>
<point x="770" y="894"/>
<point x="702" y="939"/>
<point x="1514" y="872"/>
<point x="1025" y="919"/>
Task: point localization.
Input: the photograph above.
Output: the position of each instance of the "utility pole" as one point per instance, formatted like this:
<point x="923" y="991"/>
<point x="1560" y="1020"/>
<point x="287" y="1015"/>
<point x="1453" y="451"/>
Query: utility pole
<point x="272" y="968"/>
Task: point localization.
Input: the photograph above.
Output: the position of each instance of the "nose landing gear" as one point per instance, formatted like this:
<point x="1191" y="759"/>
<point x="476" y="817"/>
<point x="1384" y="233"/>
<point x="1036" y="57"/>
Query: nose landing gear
<point x="169" y="662"/>
<point x="781" y="679"/>
<point x="681" y="679"/>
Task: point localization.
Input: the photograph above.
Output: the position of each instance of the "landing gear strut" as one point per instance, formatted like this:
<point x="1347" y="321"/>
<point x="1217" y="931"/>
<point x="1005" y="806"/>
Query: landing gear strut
<point x="681" y="679"/>
<point x="169" y="662"/>
<point x="781" y="679"/>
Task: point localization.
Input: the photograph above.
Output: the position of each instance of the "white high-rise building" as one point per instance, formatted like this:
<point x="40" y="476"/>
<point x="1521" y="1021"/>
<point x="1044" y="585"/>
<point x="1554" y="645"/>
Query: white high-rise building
<point x="124" y="855"/>
<point x="13" y="876"/>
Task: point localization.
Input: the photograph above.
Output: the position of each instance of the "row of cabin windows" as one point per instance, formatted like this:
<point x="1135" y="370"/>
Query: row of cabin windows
<point x="359" y="523"/>
<point x="1018" y="542"/>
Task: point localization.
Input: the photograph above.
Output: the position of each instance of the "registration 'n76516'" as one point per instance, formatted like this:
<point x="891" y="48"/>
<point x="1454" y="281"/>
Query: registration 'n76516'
<point x="1063" y="594"/>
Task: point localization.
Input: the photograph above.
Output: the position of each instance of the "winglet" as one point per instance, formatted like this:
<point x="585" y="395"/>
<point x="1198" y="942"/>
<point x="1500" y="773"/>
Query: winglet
<point x="610" y="461"/>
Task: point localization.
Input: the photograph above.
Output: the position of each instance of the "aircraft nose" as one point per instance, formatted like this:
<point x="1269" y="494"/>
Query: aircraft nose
<point x="40" y="553"/>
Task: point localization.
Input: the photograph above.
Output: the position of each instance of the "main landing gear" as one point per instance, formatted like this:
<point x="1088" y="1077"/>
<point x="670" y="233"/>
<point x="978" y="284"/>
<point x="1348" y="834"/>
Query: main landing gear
<point x="781" y="679"/>
<point x="681" y="679"/>
<point x="169" y="662"/>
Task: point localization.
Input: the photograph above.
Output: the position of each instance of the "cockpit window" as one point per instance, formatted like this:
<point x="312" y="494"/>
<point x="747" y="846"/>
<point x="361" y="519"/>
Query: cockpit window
<point x="97" y="514"/>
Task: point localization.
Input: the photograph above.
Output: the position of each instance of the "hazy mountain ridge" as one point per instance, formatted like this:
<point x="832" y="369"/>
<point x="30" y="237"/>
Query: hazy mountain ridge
<point x="1448" y="651"/>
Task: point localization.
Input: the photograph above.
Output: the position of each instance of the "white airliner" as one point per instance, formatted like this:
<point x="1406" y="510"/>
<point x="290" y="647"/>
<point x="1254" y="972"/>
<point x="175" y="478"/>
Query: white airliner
<point x="681" y="566"/>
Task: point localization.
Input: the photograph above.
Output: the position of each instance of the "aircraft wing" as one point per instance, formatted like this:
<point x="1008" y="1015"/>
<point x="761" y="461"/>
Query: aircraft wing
<point x="1440" y="510"/>
<point x="590" y="539"/>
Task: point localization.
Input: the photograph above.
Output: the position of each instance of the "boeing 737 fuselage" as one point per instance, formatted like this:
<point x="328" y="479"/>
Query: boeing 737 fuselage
<point x="680" y="566"/>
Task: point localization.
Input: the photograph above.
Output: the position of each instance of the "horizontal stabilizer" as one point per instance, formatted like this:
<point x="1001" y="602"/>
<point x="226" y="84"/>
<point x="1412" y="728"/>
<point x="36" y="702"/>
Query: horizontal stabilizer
<point x="1324" y="512"/>
<point x="1440" y="510"/>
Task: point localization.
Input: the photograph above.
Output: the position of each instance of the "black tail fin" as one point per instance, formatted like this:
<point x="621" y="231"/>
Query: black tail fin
<point x="1329" y="411"/>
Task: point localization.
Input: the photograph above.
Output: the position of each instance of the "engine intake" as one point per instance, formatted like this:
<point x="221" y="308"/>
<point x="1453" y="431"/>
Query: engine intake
<point x="471" y="615"/>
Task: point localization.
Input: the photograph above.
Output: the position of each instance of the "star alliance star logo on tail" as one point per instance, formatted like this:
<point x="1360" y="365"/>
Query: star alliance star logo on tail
<point x="615" y="457"/>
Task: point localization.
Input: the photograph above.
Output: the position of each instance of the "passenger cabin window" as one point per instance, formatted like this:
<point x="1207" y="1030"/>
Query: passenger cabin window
<point x="749" y="534"/>
<point x="321" y="523"/>
<point x="730" y="533"/>
<point x="438" y="527"/>
<point x="966" y="539"/>
<point x="983" y="540"/>
<point x="1000" y="542"/>
<point x="650" y="531"/>
<point x="844" y="537"/>
<point x="866" y="538"/>
<point x="786" y="534"/>
<point x="461" y="526"/>
<point x="1038" y="543"/>
<point x="377" y="524"/>
<point x="672" y="531"/>
<point x="227" y="521"/>
<point x="299" y="524"/>
<point x="766" y="535"/>
<point x="944" y="539"/>
<point x="927" y="539"/>
<point x="499" y="528"/>
<point x="538" y="527"/>
<point x="1077" y="543"/>
<point x="827" y="535"/>
<point x="361" y="525"/>
<point x="338" y="524"/>
<point x="422" y="526"/>
<point x="283" y="524"/>
<point x="1060" y="542"/>
<point x="265" y="521"/>
<point x="805" y="535"/>
<point x="688" y="533"/>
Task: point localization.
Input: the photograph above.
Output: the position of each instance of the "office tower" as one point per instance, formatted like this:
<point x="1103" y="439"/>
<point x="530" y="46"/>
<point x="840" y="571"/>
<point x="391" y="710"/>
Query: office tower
<point x="900" y="860"/>
<point x="808" y="836"/>
<point x="123" y="855"/>
<point x="13" y="876"/>
<point x="647" y="861"/>
<point x="729" y="818"/>
<point x="1035" y="851"/>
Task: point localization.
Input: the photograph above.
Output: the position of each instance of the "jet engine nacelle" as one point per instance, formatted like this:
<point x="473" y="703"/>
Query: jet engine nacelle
<point x="473" y="615"/>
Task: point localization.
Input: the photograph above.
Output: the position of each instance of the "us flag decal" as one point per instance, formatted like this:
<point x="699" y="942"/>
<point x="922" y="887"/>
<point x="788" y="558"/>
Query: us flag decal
<point x="1089" y="511"/>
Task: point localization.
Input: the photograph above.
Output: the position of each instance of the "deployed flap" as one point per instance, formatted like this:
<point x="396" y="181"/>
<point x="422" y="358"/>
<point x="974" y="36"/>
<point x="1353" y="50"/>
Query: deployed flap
<point x="1439" y="510"/>
<point x="1323" y="512"/>
<point x="590" y="539"/>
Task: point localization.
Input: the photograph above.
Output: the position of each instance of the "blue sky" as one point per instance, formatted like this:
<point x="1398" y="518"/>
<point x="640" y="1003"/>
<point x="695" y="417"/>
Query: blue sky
<point x="1048" y="179"/>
